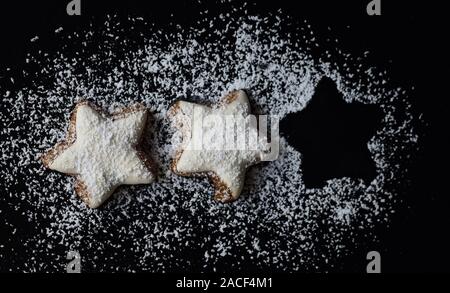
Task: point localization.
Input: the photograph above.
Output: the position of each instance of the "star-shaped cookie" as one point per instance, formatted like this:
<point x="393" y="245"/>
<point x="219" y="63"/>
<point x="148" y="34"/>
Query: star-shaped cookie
<point x="102" y="151"/>
<point x="224" y="164"/>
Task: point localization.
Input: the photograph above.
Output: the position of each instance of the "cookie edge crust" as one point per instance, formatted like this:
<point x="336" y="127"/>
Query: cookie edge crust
<point x="222" y="192"/>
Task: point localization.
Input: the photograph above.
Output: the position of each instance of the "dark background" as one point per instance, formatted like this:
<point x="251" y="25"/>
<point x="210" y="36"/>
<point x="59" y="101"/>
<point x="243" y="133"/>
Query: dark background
<point x="407" y="40"/>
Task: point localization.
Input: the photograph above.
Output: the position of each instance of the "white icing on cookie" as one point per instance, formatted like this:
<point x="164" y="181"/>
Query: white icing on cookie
<point x="104" y="153"/>
<point x="226" y="165"/>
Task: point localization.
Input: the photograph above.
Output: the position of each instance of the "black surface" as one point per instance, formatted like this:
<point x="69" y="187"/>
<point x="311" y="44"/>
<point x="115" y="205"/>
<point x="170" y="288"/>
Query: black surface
<point x="332" y="136"/>
<point x="407" y="41"/>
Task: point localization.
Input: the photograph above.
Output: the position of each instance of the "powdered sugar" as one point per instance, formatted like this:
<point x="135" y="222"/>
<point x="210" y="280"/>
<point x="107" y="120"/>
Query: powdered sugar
<point x="174" y="224"/>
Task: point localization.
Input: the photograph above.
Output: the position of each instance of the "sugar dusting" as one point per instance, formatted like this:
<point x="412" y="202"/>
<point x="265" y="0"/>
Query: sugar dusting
<point x="174" y="224"/>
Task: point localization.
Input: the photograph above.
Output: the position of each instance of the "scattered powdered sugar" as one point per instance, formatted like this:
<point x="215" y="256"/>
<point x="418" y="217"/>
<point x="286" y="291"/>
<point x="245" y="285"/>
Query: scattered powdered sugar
<point x="174" y="224"/>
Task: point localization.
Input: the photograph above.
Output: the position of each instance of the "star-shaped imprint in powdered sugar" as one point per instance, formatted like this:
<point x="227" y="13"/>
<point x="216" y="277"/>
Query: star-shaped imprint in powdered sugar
<point x="208" y="149"/>
<point x="333" y="135"/>
<point x="102" y="151"/>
